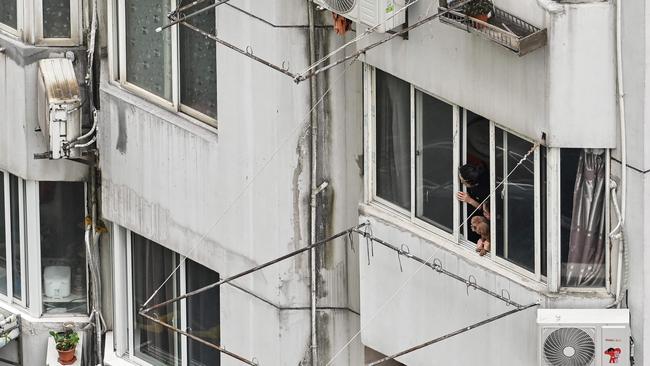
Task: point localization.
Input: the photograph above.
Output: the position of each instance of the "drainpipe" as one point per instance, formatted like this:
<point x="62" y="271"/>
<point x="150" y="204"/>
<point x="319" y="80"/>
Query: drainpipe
<point x="314" y="189"/>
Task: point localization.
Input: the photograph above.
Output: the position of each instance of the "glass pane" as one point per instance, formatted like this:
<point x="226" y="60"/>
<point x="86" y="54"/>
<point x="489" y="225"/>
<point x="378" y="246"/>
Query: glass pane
<point x="63" y="253"/>
<point x="199" y="64"/>
<point x="516" y="201"/>
<point x="9" y="13"/>
<point x="152" y="263"/>
<point x="477" y="154"/>
<point x="56" y="19"/>
<point x="203" y="315"/>
<point x="15" y="235"/>
<point x="435" y="161"/>
<point x="148" y="53"/>
<point x="582" y="184"/>
<point x="3" y="238"/>
<point x="393" y="144"/>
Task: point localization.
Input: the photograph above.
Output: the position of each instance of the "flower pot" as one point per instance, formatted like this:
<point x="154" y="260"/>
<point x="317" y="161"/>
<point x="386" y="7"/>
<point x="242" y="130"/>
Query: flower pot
<point x="67" y="357"/>
<point x="482" y="17"/>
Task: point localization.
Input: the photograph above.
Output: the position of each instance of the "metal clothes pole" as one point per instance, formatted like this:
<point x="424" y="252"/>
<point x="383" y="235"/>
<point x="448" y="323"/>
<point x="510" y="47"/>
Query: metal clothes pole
<point x="188" y="16"/>
<point x="452" y="334"/>
<point x="239" y="50"/>
<point x="437" y="266"/>
<point x="200" y="340"/>
<point x="254" y="269"/>
<point x="304" y="77"/>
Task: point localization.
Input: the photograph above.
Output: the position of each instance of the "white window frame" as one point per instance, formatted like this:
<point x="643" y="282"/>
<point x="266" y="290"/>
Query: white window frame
<point x="75" y="26"/>
<point x="126" y="342"/>
<point x="9" y="297"/>
<point x="117" y="64"/>
<point x="34" y="259"/>
<point x="553" y="243"/>
<point x="18" y="31"/>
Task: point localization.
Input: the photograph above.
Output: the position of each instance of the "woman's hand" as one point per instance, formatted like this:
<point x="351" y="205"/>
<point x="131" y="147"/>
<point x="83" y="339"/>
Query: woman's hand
<point x="464" y="197"/>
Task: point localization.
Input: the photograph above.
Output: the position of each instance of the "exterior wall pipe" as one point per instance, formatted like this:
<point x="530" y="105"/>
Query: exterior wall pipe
<point x="314" y="193"/>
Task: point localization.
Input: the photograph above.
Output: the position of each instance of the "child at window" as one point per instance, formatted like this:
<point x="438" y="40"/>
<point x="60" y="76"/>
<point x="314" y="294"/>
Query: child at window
<point x="480" y="226"/>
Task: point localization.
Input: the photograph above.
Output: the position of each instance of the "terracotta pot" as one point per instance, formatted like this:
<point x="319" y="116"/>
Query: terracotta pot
<point x="481" y="17"/>
<point x="66" y="357"/>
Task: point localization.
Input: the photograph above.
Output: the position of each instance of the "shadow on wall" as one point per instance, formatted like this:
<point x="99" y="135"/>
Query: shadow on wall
<point x="371" y="355"/>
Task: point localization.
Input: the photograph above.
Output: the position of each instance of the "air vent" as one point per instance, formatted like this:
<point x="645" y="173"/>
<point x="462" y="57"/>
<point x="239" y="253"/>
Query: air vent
<point x="341" y="6"/>
<point x="569" y="347"/>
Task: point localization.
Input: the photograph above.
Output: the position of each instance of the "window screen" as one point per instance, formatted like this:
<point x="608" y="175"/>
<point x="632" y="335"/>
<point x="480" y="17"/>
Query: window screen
<point x="198" y="64"/>
<point x="9" y="13"/>
<point x="56" y="19"/>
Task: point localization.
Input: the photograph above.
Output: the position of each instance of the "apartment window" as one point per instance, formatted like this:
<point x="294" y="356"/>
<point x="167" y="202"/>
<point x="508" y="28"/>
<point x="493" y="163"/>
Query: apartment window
<point x="11" y="238"/>
<point x="419" y="145"/>
<point x="63" y="251"/>
<point x="583" y="225"/>
<point x="54" y="22"/>
<point x="176" y="67"/>
<point x="9" y="14"/>
<point x="150" y="265"/>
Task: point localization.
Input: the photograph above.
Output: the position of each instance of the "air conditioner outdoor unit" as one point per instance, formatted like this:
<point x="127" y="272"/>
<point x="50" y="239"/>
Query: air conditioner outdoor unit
<point x="369" y="12"/>
<point x="584" y="337"/>
<point x="59" y="106"/>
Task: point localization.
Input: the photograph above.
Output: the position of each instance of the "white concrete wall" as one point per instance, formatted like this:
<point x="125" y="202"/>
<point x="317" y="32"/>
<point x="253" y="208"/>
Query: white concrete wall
<point x="244" y="188"/>
<point x="562" y="89"/>
<point x="400" y="310"/>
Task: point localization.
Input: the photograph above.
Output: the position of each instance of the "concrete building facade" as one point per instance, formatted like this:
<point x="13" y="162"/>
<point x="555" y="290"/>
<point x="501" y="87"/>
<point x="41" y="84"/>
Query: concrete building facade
<point x="208" y="162"/>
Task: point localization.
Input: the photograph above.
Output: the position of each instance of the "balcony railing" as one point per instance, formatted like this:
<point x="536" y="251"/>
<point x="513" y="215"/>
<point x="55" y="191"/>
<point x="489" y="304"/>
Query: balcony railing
<point x="503" y="28"/>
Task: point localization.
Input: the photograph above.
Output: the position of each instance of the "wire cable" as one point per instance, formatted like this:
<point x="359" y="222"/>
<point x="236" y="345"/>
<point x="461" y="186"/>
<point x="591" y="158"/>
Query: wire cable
<point x="280" y="146"/>
<point x="408" y="279"/>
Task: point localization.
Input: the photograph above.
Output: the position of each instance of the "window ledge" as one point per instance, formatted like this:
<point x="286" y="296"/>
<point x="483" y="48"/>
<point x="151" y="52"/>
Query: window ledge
<point x="391" y="218"/>
<point x="25" y="315"/>
<point x="178" y="119"/>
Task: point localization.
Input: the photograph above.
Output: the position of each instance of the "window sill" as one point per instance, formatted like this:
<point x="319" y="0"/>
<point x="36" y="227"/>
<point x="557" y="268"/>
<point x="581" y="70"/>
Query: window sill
<point x="179" y="119"/>
<point x="59" y="318"/>
<point x="377" y="211"/>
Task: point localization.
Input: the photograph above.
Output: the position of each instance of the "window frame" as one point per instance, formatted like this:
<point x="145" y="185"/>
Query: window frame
<point x="9" y="297"/>
<point x="75" y="26"/>
<point x="552" y="233"/>
<point x="117" y="64"/>
<point x="18" y="31"/>
<point x="125" y="340"/>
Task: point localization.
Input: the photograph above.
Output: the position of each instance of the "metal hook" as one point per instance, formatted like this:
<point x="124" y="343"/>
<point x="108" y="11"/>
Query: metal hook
<point x="437" y="265"/>
<point x="399" y="259"/>
<point x="254" y="361"/>
<point x="351" y="239"/>
<point x="285" y="65"/>
<point x="370" y="245"/>
<point x="505" y="292"/>
<point x="249" y="50"/>
<point x="406" y="251"/>
<point x="471" y="283"/>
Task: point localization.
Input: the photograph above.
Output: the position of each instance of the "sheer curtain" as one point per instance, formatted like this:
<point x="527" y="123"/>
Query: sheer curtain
<point x="393" y="139"/>
<point x="586" y="260"/>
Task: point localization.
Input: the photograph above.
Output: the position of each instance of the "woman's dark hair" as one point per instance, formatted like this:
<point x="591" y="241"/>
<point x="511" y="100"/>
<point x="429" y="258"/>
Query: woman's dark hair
<point x="470" y="173"/>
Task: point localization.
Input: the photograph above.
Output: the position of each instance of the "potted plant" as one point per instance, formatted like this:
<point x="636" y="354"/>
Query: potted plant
<point x="479" y="9"/>
<point x="66" y="344"/>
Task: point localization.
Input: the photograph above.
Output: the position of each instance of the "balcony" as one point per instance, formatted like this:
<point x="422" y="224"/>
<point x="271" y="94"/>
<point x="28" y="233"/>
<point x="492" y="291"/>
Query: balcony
<point x="502" y="28"/>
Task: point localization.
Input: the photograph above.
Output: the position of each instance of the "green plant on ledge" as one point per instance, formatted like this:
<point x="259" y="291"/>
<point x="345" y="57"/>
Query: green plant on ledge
<point x="478" y="7"/>
<point x="65" y="341"/>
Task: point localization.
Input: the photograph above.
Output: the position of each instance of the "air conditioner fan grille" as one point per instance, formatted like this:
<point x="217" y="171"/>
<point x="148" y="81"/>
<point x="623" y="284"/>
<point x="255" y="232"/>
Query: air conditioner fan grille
<point x="569" y="347"/>
<point x="341" y="6"/>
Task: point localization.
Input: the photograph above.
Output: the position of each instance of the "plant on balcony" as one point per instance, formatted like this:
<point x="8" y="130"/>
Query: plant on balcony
<point x="66" y="344"/>
<point x="479" y="9"/>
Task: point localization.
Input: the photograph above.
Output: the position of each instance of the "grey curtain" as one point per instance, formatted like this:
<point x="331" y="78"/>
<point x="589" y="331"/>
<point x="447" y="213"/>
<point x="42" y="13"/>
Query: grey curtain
<point x="586" y="260"/>
<point x="393" y="139"/>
